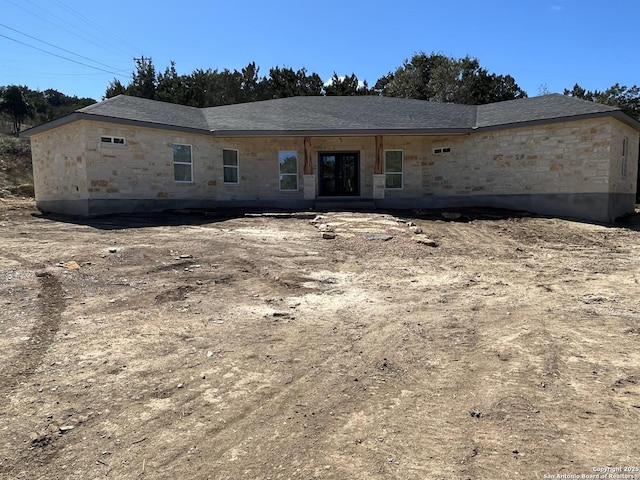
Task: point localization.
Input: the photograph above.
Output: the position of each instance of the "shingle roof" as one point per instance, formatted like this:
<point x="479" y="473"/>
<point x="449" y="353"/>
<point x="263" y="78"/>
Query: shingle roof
<point x="350" y="114"/>
<point x="341" y="115"/>
<point x="545" y="107"/>
<point x="137" y="109"/>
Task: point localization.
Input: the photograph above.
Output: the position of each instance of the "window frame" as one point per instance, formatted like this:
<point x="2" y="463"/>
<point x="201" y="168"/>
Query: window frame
<point x="110" y="140"/>
<point x="190" y="163"/>
<point x="236" y="166"/>
<point x="623" y="162"/>
<point x="387" y="172"/>
<point x="441" y="150"/>
<point x="287" y="174"/>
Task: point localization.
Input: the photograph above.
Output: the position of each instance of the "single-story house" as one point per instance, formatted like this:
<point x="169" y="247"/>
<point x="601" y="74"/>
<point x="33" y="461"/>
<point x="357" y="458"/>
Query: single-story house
<point x="552" y="154"/>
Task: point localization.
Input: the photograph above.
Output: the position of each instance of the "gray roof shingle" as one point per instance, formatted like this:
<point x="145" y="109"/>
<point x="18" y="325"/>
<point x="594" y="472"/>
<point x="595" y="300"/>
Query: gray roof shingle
<point x="545" y="107"/>
<point x="123" y="107"/>
<point x="341" y="115"/>
<point x="333" y="114"/>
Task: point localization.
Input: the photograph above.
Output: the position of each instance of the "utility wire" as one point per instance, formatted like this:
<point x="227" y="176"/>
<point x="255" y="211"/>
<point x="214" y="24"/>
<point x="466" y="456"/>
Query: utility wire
<point x="60" y="48"/>
<point x="87" y="20"/>
<point x="74" y="28"/>
<point x="86" y="39"/>
<point x="64" y="58"/>
<point x="9" y="68"/>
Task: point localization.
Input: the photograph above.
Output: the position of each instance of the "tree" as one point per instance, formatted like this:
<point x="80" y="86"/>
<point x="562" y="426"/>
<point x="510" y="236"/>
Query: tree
<point x="210" y="88"/>
<point x="115" y="88"/>
<point x="503" y="87"/>
<point x="347" y="85"/>
<point x="227" y="88"/>
<point x="171" y="87"/>
<point x="15" y="105"/>
<point x="285" y="82"/>
<point x="253" y="87"/>
<point x="627" y="98"/>
<point x="445" y="79"/>
<point x="417" y="78"/>
<point x="382" y="83"/>
<point x="579" y="92"/>
<point x="621" y="96"/>
<point x="144" y="82"/>
<point x="197" y="86"/>
<point x="41" y="106"/>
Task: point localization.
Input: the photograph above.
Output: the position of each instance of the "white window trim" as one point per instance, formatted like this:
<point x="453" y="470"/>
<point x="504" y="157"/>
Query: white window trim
<point x="441" y="150"/>
<point x="280" y="174"/>
<point x="623" y="166"/>
<point x="401" y="173"/>
<point x="237" y="167"/>
<point x="183" y="163"/>
<point x="110" y="140"/>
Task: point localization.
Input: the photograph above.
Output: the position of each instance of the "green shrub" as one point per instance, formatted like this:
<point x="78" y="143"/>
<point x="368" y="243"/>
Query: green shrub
<point x="15" y="163"/>
<point x="11" y="146"/>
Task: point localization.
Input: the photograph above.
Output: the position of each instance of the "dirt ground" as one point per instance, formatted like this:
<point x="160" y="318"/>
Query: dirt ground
<point x="201" y="347"/>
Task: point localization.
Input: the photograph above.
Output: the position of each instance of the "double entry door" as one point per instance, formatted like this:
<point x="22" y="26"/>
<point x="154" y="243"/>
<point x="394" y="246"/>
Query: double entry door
<point x="339" y="173"/>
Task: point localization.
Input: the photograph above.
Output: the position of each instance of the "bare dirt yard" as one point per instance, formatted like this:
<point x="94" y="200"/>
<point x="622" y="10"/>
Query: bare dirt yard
<point x="200" y="347"/>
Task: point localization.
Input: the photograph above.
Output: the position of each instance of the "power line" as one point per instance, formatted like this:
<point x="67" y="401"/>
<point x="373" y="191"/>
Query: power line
<point x="86" y="39"/>
<point x="60" y="48"/>
<point x="64" y="58"/>
<point x="40" y="73"/>
<point x="94" y="24"/>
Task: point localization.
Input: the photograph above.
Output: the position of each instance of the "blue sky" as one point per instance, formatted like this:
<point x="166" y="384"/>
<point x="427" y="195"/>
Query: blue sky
<point x="539" y="42"/>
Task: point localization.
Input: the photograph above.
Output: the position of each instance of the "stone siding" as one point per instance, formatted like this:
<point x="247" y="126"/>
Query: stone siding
<point x="623" y="181"/>
<point x="568" y="157"/>
<point x="565" y="158"/>
<point x="143" y="167"/>
<point x="59" y="166"/>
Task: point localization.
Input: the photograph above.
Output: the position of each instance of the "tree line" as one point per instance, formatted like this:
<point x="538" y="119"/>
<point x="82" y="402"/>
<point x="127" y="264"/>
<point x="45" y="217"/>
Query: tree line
<point x="433" y="77"/>
<point x="19" y="103"/>
<point x="426" y="77"/>
<point x="621" y="96"/>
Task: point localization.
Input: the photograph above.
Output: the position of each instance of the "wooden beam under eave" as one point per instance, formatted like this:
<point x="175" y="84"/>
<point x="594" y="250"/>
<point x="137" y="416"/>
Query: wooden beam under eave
<point x="308" y="162"/>
<point x="378" y="167"/>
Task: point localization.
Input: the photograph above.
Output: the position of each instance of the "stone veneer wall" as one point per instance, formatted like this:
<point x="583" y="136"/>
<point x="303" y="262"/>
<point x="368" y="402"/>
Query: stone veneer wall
<point x="568" y="157"/>
<point x="542" y="163"/>
<point x="59" y="168"/>
<point x="564" y="168"/>
<point x="143" y="168"/>
<point x="618" y="181"/>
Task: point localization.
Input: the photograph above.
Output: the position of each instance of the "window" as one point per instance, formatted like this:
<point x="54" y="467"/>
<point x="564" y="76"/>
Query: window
<point x="438" y="151"/>
<point x="623" y="163"/>
<point x="230" y="166"/>
<point x="182" y="163"/>
<point x="393" y="168"/>
<point x="112" y="140"/>
<point x="288" y="165"/>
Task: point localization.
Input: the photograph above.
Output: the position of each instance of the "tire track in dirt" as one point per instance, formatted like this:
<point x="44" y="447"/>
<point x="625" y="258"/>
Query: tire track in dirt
<point x="262" y="413"/>
<point x="268" y="410"/>
<point x="333" y="370"/>
<point x="498" y="371"/>
<point x="51" y="305"/>
<point x="22" y="365"/>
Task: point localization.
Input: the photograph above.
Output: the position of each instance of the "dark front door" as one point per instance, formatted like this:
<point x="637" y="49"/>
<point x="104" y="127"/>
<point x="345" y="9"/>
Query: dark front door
<point x="339" y="173"/>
